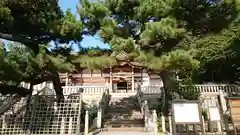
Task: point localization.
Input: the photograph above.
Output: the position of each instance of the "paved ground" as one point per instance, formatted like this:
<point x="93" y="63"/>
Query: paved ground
<point x="123" y="133"/>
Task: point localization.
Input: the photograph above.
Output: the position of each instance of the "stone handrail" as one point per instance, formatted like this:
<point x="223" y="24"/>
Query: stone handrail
<point x="152" y="89"/>
<point x="139" y="94"/>
<point x="146" y="115"/>
<point x="67" y="90"/>
<point x="103" y="106"/>
<point x="150" y="119"/>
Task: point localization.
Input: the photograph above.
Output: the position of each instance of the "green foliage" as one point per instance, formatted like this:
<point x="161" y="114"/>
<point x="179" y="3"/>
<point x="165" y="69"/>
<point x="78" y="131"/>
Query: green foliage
<point x="157" y="8"/>
<point x="159" y="125"/>
<point x="185" y="89"/>
<point x="32" y="22"/>
<point x="92" y="62"/>
<point x="205" y="114"/>
<point x="28" y="67"/>
<point x="156" y="34"/>
<point x="218" y="53"/>
<point x="193" y="37"/>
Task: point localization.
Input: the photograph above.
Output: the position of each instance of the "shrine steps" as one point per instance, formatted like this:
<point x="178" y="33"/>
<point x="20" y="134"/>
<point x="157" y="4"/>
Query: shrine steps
<point x="124" y="114"/>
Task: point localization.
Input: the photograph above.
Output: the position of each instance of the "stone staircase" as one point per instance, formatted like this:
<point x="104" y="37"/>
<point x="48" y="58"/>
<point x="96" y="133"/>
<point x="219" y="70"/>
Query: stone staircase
<point x="124" y="114"/>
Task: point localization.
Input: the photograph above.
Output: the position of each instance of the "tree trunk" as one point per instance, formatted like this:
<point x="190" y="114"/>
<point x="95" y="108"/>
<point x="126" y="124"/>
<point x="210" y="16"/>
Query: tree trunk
<point x="8" y="89"/>
<point x="57" y="87"/>
<point x="168" y="87"/>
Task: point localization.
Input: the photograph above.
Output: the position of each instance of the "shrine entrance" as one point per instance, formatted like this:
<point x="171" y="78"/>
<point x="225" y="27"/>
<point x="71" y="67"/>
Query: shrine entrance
<point x="123" y="85"/>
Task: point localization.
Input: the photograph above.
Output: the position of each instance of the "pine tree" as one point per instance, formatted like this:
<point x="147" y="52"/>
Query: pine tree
<point x="152" y="31"/>
<point x="25" y="66"/>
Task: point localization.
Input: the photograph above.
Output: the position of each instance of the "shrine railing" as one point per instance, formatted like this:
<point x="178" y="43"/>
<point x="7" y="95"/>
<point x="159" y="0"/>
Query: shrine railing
<point x="86" y="89"/>
<point x="213" y="88"/>
<point x="150" y="89"/>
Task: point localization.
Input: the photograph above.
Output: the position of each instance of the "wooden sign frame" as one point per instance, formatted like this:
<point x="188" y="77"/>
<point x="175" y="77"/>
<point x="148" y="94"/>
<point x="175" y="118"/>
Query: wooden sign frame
<point x="230" y="101"/>
<point x="174" y="123"/>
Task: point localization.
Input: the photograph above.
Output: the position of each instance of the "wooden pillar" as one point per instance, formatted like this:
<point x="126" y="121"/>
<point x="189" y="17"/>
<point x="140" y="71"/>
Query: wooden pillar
<point x="141" y="70"/>
<point x="101" y="73"/>
<point x="111" y="80"/>
<point x="91" y="72"/>
<point x="81" y="76"/>
<point x="133" y="83"/>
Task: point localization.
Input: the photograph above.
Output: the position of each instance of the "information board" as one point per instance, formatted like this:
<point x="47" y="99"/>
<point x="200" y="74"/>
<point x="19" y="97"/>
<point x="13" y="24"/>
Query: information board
<point x="186" y="113"/>
<point x="214" y="114"/>
<point x="234" y="103"/>
<point x="235" y="110"/>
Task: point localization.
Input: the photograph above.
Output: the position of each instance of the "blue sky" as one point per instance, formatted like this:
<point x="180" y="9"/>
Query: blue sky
<point x="88" y="41"/>
<point x="65" y="4"/>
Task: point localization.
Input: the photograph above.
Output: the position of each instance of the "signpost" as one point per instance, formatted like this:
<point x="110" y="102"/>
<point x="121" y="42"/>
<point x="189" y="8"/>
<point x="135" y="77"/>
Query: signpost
<point x="214" y="118"/>
<point x="187" y="112"/>
<point x="234" y="103"/>
<point x="214" y="113"/>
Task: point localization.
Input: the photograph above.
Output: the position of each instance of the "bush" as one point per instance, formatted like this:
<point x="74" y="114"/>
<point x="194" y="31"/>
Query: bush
<point x="186" y="90"/>
<point x="204" y="114"/>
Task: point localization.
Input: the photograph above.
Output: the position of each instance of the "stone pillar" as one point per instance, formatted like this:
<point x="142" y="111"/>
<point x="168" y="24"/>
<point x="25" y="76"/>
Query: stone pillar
<point x="225" y="117"/>
<point x="44" y="84"/>
<point x="79" y="111"/>
<point x="99" y="117"/>
<point x="155" y="128"/>
<point x="133" y="82"/>
<point x="203" y="126"/>
<point x="146" y="124"/>
<point x="170" y="125"/>
<point x="86" y="123"/>
<point x="3" y="122"/>
<point x="163" y="123"/>
<point x="66" y="82"/>
<point x="222" y="101"/>
<point x="219" y="127"/>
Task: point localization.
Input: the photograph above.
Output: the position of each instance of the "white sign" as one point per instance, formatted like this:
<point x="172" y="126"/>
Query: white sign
<point x="186" y="113"/>
<point x="214" y="114"/>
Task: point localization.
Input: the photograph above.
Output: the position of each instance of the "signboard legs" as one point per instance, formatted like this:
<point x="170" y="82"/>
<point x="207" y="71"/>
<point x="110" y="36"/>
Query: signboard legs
<point x="192" y="116"/>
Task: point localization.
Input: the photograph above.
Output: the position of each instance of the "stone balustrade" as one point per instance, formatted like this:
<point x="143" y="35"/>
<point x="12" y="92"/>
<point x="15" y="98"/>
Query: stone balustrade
<point x="213" y="89"/>
<point x="205" y="89"/>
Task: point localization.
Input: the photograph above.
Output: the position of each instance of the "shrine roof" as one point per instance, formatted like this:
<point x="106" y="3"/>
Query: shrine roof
<point x="123" y="59"/>
<point x="122" y="56"/>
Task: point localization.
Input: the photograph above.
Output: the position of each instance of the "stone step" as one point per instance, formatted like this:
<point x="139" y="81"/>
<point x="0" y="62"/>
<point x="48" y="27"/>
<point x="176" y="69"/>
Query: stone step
<point x="123" y="100"/>
<point x="136" y="108"/>
<point x="123" y="104"/>
<point x="125" y="123"/>
<point x="109" y="120"/>
<point x="126" y="129"/>
<point x="123" y="112"/>
<point x="133" y="115"/>
<point x="118" y="125"/>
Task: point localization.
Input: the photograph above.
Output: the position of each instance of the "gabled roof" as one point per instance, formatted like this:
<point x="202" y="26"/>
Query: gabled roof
<point x="122" y="56"/>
